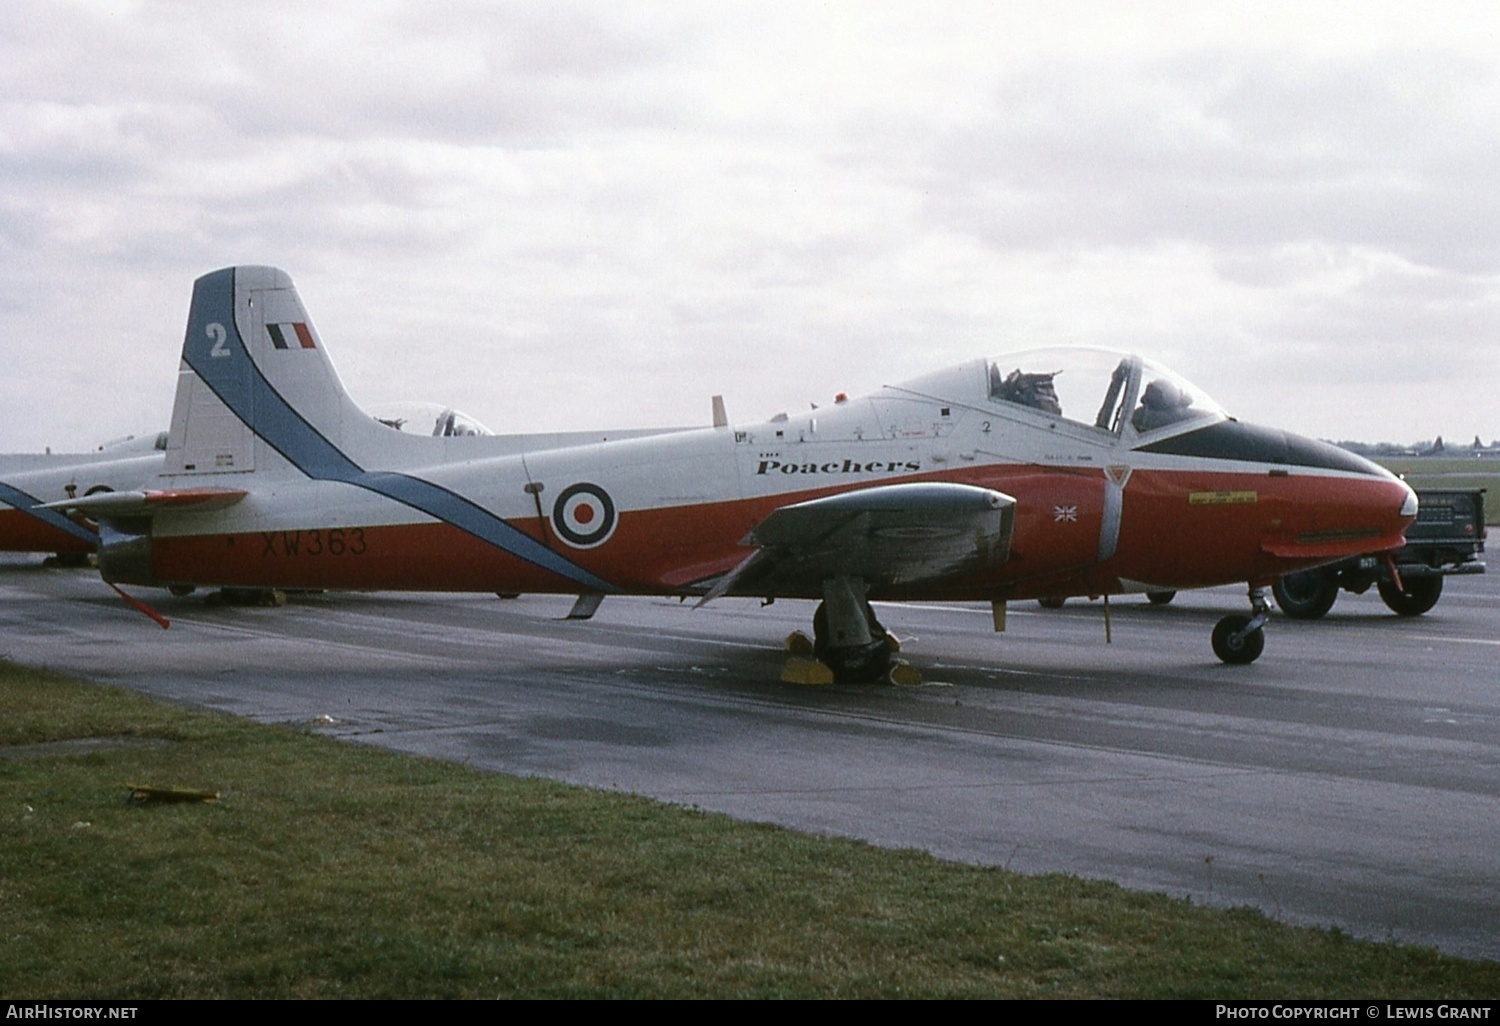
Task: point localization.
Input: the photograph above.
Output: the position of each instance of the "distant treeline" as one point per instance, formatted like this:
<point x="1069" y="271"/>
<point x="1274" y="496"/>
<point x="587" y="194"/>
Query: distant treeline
<point x="1435" y="447"/>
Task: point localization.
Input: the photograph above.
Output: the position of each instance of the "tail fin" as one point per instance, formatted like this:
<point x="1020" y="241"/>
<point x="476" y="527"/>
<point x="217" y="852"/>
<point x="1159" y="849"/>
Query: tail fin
<point x="256" y="388"/>
<point x="256" y="392"/>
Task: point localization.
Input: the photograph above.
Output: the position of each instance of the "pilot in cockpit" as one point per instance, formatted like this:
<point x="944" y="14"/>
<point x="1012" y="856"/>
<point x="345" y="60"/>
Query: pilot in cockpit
<point x="1034" y="390"/>
<point x="1162" y="403"/>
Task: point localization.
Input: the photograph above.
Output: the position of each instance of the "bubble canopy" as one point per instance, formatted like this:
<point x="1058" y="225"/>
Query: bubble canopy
<point x="417" y="418"/>
<point x="1122" y="394"/>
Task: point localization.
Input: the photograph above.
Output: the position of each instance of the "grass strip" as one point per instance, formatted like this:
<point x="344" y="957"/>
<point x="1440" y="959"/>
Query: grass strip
<point x="329" y="869"/>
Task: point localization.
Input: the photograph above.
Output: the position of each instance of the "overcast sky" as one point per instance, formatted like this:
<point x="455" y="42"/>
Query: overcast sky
<point x="560" y="215"/>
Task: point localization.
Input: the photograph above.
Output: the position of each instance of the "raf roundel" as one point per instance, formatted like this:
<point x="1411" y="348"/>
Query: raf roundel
<point x="584" y="515"/>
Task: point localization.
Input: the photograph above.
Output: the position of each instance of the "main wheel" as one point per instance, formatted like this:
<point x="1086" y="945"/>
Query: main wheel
<point x="1051" y="603"/>
<point x="1419" y="595"/>
<point x="1232" y="648"/>
<point x="1160" y="598"/>
<point x="1306" y="594"/>
<point x="853" y="664"/>
<point x="865" y="664"/>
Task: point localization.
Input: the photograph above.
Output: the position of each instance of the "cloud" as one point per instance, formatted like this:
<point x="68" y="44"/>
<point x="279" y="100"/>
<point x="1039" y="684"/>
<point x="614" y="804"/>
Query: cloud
<point x="568" y="215"/>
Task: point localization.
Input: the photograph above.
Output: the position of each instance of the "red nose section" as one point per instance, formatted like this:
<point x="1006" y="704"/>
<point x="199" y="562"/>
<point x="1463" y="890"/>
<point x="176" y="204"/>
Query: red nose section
<point x="1361" y="517"/>
<point x="1250" y="504"/>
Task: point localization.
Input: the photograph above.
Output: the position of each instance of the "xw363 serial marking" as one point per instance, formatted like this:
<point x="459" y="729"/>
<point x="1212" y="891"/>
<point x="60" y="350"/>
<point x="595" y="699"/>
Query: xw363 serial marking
<point x="336" y="541"/>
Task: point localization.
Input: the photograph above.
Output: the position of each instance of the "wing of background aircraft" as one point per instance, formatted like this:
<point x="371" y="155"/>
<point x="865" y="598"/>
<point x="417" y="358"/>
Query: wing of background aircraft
<point x="26" y="525"/>
<point x="30" y="486"/>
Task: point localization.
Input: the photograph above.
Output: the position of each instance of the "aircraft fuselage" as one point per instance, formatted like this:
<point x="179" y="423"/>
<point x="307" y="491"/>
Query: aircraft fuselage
<point x="665" y="514"/>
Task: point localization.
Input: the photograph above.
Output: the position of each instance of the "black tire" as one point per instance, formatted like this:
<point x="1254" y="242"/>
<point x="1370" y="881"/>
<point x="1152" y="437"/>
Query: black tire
<point x="820" y="625"/>
<point x="1160" y="598"/>
<point x="867" y="665"/>
<point x="1051" y="603"/>
<point x="1306" y="594"/>
<point x="1419" y="595"/>
<point x="853" y="664"/>
<point x="1235" y="650"/>
<point x="820" y="629"/>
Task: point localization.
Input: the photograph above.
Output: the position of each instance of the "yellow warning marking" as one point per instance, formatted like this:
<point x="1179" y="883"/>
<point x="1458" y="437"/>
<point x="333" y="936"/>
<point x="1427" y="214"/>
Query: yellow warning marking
<point x="1222" y="498"/>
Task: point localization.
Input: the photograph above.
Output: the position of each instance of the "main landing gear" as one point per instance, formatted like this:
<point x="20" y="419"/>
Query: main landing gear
<point x="851" y="660"/>
<point x="849" y="644"/>
<point x="1239" y="639"/>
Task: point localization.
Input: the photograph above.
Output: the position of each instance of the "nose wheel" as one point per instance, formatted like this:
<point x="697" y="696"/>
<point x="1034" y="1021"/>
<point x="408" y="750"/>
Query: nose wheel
<point x="1238" y="640"/>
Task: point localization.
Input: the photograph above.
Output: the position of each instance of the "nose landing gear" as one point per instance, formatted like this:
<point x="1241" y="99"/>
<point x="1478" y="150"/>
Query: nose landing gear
<point x="1238" y="640"/>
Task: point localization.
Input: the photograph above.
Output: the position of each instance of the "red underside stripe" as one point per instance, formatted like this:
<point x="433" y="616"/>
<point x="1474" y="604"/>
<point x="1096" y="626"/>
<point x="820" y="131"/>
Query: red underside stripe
<point x="1164" y="540"/>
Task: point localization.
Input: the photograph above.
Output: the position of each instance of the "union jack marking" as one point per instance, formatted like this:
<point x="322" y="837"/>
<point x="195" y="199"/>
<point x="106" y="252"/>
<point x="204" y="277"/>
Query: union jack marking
<point x="1065" y="514"/>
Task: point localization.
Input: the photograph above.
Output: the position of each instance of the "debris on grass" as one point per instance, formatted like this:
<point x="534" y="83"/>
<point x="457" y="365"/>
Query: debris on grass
<point x="143" y="793"/>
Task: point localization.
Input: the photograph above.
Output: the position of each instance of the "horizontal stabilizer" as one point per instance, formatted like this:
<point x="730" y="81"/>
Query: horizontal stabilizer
<point x="145" y="503"/>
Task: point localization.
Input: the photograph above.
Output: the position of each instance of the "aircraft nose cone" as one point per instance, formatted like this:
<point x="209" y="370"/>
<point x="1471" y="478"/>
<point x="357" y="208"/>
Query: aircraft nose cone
<point x="1338" y="494"/>
<point x="1410" y="505"/>
<point x="1394" y="498"/>
<point x="1361" y="508"/>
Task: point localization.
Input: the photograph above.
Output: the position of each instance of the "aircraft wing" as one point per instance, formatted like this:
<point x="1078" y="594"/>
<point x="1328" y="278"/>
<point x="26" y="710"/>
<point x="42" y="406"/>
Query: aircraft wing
<point x="145" y="503"/>
<point x="899" y="534"/>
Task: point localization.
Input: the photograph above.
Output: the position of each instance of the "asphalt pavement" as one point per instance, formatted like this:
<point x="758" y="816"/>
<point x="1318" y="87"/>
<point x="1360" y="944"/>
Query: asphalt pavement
<point x="1350" y="777"/>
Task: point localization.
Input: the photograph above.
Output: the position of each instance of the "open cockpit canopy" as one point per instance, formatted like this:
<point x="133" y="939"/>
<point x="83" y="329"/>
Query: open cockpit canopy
<point x="1125" y="395"/>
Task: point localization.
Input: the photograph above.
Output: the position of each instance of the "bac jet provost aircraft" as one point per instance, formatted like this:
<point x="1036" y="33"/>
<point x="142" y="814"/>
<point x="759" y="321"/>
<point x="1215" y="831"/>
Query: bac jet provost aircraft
<point x="31" y="485"/>
<point x="28" y="482"/>
<point x="1045" y="474"/>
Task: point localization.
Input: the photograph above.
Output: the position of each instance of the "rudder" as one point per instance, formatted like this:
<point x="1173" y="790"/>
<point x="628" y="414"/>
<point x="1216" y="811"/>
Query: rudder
<point x="255" y="386"/>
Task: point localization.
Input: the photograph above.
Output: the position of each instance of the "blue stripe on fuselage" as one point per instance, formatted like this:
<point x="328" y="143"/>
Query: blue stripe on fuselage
<point x="255" y="401"/>
<point x="29" y="504"/>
